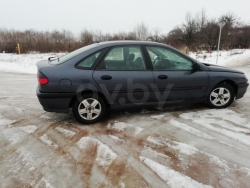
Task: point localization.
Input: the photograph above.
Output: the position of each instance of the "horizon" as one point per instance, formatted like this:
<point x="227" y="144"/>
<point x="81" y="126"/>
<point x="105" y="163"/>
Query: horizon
<point x="102" y="18"/>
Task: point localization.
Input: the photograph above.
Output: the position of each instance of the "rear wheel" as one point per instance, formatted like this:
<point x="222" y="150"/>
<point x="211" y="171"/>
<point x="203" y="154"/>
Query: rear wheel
<point x="221" y="96"/>
<point x="90" y="109"/>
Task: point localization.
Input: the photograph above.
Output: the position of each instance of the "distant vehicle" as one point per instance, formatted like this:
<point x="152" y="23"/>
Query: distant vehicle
<point x="125" y="74"/>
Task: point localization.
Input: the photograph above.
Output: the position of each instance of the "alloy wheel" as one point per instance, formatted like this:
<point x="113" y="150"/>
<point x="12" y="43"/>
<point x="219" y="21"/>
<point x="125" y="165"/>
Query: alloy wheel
<point x="89" y="109"/>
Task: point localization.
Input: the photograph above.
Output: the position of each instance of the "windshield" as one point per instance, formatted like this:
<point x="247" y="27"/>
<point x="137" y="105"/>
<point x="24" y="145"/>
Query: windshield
<point x="70" y="55"/>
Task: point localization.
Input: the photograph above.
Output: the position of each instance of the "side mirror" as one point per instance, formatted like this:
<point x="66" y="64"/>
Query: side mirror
<point x="196" y="66"/>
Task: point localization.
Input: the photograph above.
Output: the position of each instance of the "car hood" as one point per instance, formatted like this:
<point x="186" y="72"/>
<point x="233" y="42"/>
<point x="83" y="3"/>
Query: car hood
<point x="217" y="68"/>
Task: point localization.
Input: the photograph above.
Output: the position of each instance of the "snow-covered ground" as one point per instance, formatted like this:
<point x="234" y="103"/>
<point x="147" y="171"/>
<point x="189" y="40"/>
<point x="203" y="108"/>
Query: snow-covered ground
<point x="184" y="146"/>
<point x="235" y="57"/>
<point x="26" y="63"/>
<point x="23" y="63"/>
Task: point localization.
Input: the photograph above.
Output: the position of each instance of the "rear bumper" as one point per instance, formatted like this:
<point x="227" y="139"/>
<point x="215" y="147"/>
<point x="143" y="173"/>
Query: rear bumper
<point x="55" y="102"/>
<point x="242" y="88"/>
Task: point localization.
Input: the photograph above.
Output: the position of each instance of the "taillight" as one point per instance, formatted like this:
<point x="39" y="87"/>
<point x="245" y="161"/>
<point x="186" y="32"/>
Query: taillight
<point x="42" y="79"/>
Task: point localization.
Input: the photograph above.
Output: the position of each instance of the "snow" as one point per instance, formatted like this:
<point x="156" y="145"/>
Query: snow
<point x="201" y="134"/>
<point x="153" y="145"/>
<point x="226" y="58"/>
<point x="29" y="129"/>
<point x="47" y="140"/>
<point x="26" y="63"/>
<point x="116" y="139"/>
<point x="150" y="153"/>
<point x="189" y="129"/>
<point x="4" y="121"/>
<point x="181" y="147"/>
<point x="66" y="132"/>
<point x="157" y="116"/>
<point x="225" y="128"/>
<point x="187" y="150"/>
<point x="173" y="178"/>
<point x="23" y="63"/>
<point x="105" y="156"/>
<point x="121" y="126"/>
<point x="224" y="114"/>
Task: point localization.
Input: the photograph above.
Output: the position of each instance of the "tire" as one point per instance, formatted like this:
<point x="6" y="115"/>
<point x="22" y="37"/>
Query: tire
<point x="90" y="109"/>
<point x="221" y="96"/>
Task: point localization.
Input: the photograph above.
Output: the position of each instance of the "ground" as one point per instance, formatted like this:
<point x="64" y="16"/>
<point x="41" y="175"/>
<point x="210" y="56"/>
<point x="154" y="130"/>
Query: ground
<point x="184" y="146"/>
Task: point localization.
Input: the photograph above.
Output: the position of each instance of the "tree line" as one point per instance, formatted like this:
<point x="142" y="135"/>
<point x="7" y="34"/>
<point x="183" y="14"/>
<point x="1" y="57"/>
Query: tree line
<point x="196" y="33"/>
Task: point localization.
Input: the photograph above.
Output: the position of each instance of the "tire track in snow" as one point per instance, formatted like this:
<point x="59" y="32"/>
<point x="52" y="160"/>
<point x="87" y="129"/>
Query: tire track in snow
<point x="208" y="123"/>
<point x="197" y="132"/>
<point x="171" y="177"/>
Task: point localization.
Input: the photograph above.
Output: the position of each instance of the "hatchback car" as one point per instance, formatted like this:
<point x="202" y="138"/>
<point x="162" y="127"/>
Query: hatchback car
<point x="125" y="74"/>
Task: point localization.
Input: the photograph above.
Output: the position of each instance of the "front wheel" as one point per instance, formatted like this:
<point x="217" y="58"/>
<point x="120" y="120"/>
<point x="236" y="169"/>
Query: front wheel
<point x="221" y="96"/>
<point x="90" y="109"/>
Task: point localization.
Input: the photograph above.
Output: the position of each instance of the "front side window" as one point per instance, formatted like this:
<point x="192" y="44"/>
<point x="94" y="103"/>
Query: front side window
<point x="89" y="61"/>
<point x="165" y="59"/>
<point x="124" y="58"/>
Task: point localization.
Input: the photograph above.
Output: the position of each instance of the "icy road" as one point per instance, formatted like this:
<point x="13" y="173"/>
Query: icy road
<point x="187" y="146"/>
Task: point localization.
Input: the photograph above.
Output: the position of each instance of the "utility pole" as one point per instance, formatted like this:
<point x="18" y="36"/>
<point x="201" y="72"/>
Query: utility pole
<point x="221" y="25"/>
<point x="18" y="48"/>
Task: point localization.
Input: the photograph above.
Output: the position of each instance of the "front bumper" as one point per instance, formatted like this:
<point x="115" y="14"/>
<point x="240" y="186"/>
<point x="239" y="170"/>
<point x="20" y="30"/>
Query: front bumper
<point x="242" y="88"/>
<point x="55" y="102"/>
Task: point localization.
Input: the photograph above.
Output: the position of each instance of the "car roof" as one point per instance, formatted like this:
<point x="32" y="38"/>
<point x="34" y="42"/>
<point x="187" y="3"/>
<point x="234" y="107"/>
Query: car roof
<point x="121" y="42"/>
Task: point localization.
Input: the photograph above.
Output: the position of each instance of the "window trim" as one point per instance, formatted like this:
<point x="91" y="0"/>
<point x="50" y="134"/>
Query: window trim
<point x="124" y="45"/>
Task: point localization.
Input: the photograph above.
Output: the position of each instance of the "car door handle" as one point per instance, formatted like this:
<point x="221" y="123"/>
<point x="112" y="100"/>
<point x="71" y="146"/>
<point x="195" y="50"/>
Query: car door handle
<point x="106" y="77"/>
<point x="162" y="77"/>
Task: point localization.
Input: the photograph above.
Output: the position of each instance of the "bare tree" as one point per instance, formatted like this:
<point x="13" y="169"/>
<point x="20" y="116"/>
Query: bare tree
<point x="189" y="30"/>
<point x="156" y="36"/>
<point x="86" y="37"/>
<point x="141" y="31"/>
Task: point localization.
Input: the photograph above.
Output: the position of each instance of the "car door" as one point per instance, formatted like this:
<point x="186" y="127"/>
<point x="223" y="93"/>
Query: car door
<point x="176" y="77"/>
<point x="123" y="76"/>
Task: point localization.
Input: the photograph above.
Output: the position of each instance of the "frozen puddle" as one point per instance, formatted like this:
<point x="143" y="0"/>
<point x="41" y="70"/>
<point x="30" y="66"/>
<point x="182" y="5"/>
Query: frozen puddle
<point x="171" y="177"/>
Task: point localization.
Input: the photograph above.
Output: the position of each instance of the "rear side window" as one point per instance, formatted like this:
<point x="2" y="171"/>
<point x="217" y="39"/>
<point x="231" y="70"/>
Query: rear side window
<point x="89" y="61"/>
<point x="70" y="55"/>
<point x="123" y="58"/>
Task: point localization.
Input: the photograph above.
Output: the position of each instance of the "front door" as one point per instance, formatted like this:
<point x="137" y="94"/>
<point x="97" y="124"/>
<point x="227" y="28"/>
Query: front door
<point x="176" y="75"/>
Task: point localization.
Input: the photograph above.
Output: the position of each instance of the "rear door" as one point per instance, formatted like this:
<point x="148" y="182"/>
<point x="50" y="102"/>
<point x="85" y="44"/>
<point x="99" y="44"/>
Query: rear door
<point x="175" y="75"/>
<point x="122" y="74"/>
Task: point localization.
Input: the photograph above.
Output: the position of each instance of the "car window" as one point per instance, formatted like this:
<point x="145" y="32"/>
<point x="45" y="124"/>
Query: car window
<point x="89" y="61"/>
<point x="165" y="59"/>
<point x="70" y="55"/>
<point x="124" y="58"/>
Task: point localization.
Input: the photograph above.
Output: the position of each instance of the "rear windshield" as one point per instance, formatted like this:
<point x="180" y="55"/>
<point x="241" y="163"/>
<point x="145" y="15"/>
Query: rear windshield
<point x="70" y="55"/>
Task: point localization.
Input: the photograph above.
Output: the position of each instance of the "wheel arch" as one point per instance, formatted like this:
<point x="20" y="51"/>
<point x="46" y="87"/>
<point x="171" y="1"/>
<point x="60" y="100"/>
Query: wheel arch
<point x="230" y="82"/>
<point x="87" y="92"/>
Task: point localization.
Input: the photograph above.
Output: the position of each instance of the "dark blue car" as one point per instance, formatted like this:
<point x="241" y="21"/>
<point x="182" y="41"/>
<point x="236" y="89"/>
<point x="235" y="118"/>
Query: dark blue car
<point x="124" y="74"/>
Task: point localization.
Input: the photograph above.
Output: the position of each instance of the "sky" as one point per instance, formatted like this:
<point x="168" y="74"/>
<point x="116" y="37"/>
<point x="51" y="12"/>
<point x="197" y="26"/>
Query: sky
<point x="111" y="15"/>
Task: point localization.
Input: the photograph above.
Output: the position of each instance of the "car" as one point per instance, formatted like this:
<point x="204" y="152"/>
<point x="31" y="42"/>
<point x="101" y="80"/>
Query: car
<point x="126" y="74"/>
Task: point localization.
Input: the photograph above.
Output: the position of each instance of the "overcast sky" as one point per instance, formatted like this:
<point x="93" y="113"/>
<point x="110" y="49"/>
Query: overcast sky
<point x="111" y="15"/>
